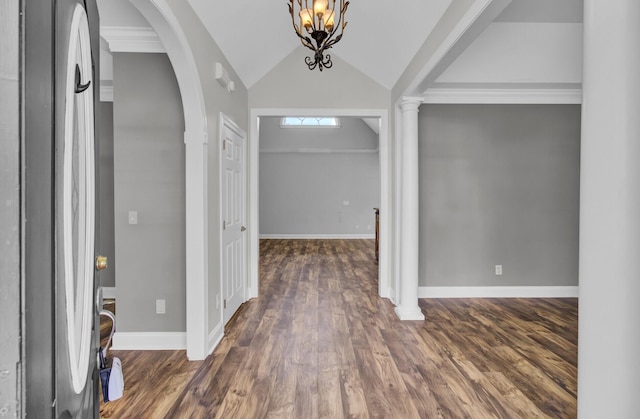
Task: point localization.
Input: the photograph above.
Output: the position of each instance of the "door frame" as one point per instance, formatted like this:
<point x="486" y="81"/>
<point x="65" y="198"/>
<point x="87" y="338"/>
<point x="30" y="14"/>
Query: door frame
<point x="387" y="167"/>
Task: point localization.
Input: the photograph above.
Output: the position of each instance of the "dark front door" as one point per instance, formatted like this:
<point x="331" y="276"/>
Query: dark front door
<point x="61" y="327"/>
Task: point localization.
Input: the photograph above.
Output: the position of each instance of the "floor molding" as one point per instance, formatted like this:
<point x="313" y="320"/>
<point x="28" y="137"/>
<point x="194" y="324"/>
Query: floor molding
<point x="215" y="337"/>
<point x="498" y="292"/>
<point x="106" y="93"/>
<point x="410" y="315"/>
<point x="319" y="236"/>
<point x="149" y="341"/>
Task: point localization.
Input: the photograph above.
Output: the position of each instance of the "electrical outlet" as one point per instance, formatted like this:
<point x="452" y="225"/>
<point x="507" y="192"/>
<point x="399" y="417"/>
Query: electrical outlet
<point x="345" y="203"/>
<point x="498" y="270"/>
<point x="161" y="306"/>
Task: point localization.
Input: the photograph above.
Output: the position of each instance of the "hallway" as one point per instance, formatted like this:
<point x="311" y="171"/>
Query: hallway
<point x="319" y="342"/>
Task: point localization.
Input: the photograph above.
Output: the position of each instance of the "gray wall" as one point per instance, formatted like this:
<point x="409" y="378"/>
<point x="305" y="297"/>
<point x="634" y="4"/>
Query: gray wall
<point x="235" y="105"/>
<point x="106" y="244"/>
<point x="303" y="192"/>
<point x="291" y="85"/>
<point x="499" y="184"/>
<point x="149" y="178"/>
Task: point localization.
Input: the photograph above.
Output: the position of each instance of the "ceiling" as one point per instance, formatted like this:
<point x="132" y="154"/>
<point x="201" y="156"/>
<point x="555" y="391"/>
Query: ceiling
<point x="543" y="11"/>
<point x="380" y="40"/>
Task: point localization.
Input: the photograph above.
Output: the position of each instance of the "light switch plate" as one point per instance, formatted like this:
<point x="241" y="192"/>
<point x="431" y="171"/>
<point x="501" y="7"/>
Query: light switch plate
<point x="161" y="307"/>
<point x="133" y="217"/>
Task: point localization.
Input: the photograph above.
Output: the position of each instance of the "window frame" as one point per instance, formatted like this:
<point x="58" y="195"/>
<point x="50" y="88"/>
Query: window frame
<point x="303" y="125"/>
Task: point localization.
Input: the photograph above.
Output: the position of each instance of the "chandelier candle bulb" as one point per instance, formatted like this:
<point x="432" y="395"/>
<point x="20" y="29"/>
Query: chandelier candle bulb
<point x="319" y="6"/>
<point x="305" y="19"/>
<point x="328" y="19"/>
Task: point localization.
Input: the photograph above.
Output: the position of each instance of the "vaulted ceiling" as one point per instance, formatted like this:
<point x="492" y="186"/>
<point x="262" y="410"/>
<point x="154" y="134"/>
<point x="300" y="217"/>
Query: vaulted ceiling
<point x="382" y="38"/>
<point x="379" y="40"/>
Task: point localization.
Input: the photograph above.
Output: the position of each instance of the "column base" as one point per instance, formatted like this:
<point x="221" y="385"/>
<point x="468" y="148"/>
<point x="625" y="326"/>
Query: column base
<point x="410" y="313"/>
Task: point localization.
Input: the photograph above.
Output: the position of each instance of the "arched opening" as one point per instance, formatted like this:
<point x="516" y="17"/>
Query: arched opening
<point x="161" y="18"/>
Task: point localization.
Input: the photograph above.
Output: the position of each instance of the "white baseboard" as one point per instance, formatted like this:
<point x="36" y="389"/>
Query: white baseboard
<point x="215" y="337"/>
<point x="149" y="341"/>
<point x="106" y="93"/>
<point x="109" y="293"/>
<point x="498" y="292"/>
<point x="409" y="315"/>
<point x="319" y="236"/>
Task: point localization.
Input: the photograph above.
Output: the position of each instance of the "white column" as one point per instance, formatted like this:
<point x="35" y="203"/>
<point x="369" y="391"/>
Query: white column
<point x="609" y="307"/>
<point x="408" y="308"/>
<point x="196" y="235"/>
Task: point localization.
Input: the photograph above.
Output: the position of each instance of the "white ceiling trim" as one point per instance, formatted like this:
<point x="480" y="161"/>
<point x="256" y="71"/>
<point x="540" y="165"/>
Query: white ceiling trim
<point x="467" y="20"/>
<point x="129" y="39"/>
<point x="504" y="96"/>
<point x="479" y="15"/>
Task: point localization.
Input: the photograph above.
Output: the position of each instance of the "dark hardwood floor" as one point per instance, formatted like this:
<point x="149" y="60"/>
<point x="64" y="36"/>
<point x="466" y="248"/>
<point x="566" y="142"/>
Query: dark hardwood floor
<point x="320" y="343"/>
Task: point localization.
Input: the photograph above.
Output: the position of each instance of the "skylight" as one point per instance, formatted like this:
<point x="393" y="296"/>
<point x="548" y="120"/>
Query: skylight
<point x="309" y="121"/>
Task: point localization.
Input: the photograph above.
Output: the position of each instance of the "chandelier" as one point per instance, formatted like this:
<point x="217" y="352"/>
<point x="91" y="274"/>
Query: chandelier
<point x="322" y="25"/>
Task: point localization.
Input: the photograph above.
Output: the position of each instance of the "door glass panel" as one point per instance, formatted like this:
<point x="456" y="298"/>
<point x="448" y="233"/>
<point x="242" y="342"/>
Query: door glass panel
<point x="78" y="200"/>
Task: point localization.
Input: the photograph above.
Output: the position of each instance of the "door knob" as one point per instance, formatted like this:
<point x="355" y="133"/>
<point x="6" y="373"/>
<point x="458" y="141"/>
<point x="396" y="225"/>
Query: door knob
<point x="243" y="228"/>
<point x="101" y="263"/>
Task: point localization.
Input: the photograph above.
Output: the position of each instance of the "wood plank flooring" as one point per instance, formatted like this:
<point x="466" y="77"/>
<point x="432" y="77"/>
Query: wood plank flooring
<point x="320" y="343"/>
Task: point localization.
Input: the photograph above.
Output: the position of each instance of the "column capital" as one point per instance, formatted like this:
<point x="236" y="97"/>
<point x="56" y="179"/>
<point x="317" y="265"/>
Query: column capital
<point x="410" y="103"/>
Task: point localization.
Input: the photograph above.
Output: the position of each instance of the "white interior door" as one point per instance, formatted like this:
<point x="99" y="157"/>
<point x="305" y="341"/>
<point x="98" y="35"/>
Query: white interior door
<point x="233" y="202"/>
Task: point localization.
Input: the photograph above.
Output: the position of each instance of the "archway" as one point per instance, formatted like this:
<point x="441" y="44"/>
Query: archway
<point x="162" y="20"/>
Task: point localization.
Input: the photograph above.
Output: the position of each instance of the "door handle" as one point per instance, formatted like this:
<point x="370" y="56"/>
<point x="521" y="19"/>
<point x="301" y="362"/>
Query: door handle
<point x="243" y="228"/>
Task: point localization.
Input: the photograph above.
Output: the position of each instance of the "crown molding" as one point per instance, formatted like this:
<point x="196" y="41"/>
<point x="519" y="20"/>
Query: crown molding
<point x="503" y="96"/>
<point x="131" y="39"/>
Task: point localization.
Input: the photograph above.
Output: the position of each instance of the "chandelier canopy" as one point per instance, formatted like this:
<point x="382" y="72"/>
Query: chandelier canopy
<point x="324" y="26"/>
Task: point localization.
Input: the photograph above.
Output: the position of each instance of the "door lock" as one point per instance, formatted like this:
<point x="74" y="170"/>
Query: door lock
<point x="101" y="263"/>
<point x="243" y="228"/>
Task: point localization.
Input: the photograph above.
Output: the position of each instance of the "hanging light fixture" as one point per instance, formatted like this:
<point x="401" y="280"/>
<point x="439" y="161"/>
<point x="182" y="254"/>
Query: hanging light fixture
<point x="322" y="24"/>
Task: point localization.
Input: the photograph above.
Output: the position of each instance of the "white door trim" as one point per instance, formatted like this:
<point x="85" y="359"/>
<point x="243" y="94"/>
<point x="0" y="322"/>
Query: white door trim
<point x="386" y="257"/>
